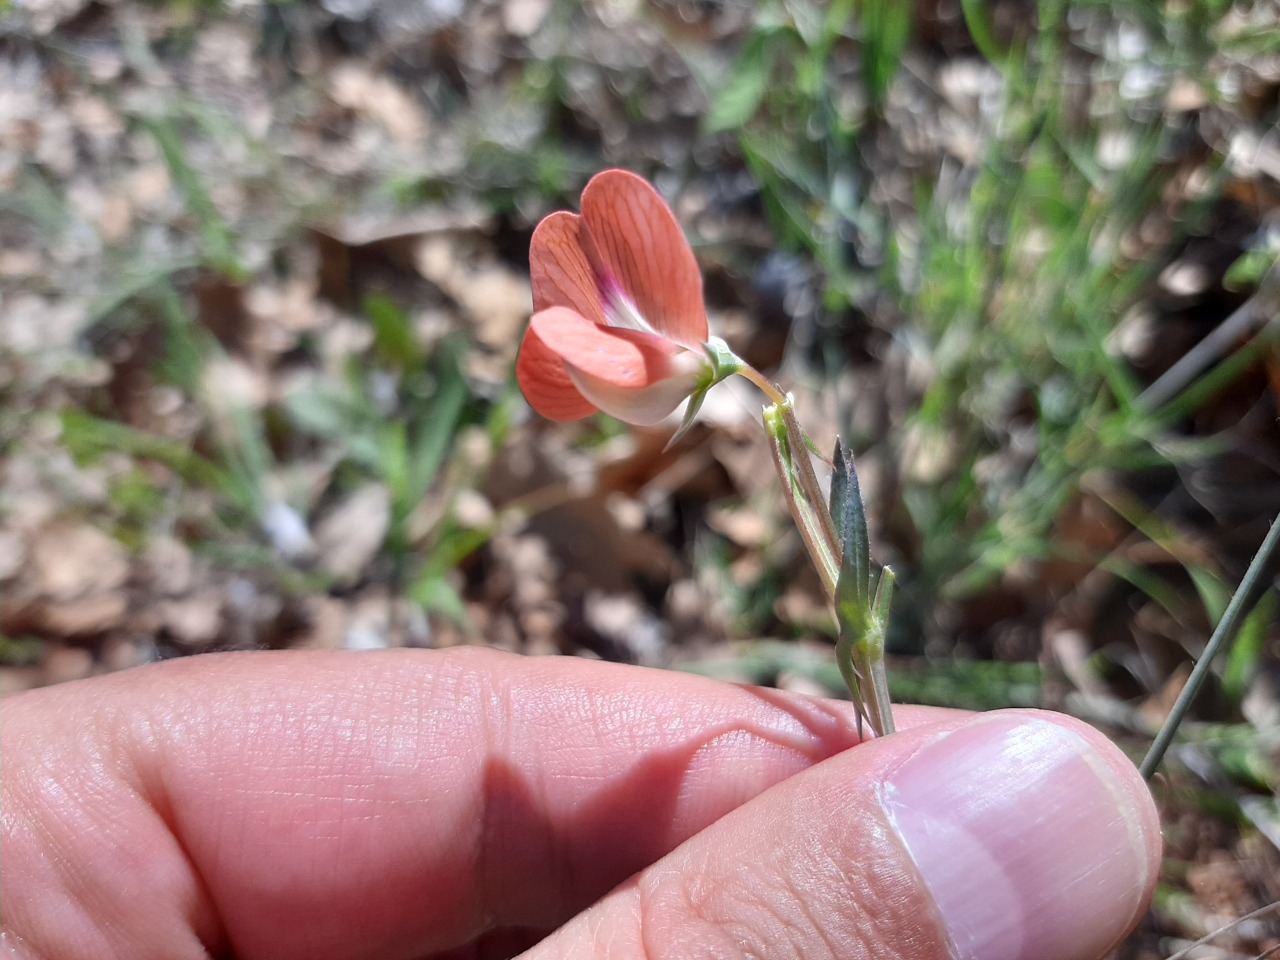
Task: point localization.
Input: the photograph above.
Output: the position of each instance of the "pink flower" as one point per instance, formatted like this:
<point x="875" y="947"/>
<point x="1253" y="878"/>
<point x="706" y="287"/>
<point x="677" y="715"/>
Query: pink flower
<point x="619" y="324"/>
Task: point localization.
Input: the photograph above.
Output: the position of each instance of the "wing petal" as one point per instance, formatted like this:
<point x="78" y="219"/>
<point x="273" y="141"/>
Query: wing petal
<point x="636" y="376"/>
<point x="559" y="269"/>
<point x="545" y="382"/>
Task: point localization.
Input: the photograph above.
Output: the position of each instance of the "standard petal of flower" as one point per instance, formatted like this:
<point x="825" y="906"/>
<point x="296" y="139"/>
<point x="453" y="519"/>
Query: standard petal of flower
<point x="545" y="383"/>
<point x="637" y="236"/>
<point x="559" y="270"/>
<point x="638" y="377"/>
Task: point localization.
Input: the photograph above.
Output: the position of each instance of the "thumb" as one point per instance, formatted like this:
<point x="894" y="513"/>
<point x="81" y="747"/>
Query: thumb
<point x="1017" y="834"/>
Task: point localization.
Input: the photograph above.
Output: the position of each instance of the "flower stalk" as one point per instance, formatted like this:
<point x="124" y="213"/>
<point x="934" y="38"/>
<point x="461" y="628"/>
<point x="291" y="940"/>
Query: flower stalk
<point x="802" y="492"/>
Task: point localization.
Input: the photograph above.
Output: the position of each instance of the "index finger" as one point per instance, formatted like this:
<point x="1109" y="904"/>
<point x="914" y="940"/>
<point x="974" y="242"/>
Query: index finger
<point x="392" y="804"/>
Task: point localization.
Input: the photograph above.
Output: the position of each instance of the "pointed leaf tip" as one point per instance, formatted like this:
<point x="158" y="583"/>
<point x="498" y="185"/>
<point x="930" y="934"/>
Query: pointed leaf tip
<point x="854" y="585"/>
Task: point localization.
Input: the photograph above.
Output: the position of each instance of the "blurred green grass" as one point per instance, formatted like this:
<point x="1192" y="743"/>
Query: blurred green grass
<point x="1010" y="286"/>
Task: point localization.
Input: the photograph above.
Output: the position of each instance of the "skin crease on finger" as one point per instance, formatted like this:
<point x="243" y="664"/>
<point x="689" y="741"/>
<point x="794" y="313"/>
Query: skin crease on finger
<point x="395" y="804"/>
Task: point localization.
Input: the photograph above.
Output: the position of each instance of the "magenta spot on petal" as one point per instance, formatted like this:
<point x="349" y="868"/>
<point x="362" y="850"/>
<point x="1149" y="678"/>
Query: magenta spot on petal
<point x="610" y="289"/>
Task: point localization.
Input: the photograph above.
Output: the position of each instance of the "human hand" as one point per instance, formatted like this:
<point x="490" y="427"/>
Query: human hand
<point x="466" y="803"/>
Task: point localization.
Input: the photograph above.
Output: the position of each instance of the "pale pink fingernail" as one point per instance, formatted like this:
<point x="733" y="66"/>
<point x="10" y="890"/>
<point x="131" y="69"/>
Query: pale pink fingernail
<point x="1035" y="844"/>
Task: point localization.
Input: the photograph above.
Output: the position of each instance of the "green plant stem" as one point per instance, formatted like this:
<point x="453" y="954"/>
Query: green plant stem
<point x="1222" y="634"/>
<point x="861" y="662"/>
<point x="809" y="486"/>
<point x="775" y="395"/>
<point x="841" y="561"/>
<point x="1259" y="310"/>
<point x="881" y="703"/>
<point x="810" y="516"/>
<point x="781" y="400"/>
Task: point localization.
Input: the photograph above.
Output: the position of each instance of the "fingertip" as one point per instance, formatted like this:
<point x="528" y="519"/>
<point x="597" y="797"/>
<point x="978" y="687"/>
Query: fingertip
<point x="1009" y="836"/>
<point x="1034" y="834"/>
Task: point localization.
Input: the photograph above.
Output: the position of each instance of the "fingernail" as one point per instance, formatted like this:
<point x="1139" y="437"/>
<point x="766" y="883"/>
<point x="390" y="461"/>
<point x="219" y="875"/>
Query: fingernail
<point x="1033" y="842"/>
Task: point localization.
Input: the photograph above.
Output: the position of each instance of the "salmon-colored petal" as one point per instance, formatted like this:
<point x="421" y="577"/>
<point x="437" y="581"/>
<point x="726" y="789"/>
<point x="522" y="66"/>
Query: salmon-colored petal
<point x="626" y="358"/>
<point x="644" y="406"/>
<point x="636" y="235"/>
<point x="559" y="269"/>
<point x="636" y="376"/>
<point x="545" y="383"/>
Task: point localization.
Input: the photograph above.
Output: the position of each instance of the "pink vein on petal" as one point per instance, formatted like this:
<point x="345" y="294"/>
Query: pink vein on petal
<point x="640" y="242"/>
<point x="559" y="270"/>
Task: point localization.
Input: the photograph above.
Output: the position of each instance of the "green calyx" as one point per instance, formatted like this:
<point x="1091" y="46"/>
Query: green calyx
<point x="723" y="364"/>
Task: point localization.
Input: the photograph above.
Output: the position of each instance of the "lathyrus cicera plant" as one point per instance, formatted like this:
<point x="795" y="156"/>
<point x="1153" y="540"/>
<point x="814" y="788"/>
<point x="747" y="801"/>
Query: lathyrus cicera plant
<point x="619" y="326"/>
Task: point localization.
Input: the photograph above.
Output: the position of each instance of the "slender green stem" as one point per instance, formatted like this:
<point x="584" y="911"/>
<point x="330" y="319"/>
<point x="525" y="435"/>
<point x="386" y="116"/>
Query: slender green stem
<point x="775" y="395"/>
<point x="862" y="657"/>
<point x="1222" y="634"/>
<point x="780" y="399"/>
<point x="847" y="661"/>
<point x="810" y="487"/>
<point x="810" y="515"/>
<point x="841" y="561"/>
<point x="881" y="703"/>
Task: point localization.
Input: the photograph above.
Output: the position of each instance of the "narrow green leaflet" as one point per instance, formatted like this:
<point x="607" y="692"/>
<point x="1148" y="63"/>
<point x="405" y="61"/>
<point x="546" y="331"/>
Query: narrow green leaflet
<point x="863" y="620"/>
<point x="851" y="523"/>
